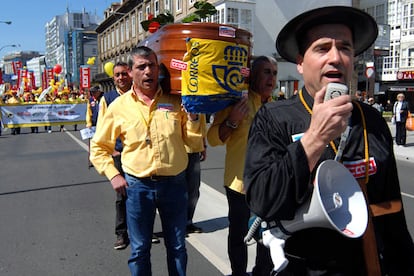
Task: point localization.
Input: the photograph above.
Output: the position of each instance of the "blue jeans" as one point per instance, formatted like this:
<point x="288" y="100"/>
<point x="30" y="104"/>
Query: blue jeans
<point x="169" y="196"/>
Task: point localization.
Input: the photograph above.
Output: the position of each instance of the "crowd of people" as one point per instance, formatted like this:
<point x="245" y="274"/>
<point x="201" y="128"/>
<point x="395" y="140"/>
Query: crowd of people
<point x="65" y="95"/>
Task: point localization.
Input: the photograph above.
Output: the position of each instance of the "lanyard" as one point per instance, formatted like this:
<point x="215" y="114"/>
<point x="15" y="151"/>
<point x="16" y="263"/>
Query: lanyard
<point x="148" y="123"/>
<point x="310" y="112"/>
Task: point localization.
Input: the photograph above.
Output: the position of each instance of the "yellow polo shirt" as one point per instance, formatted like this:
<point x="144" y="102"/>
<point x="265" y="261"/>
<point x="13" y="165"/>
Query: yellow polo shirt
<point x="127" y="118"/>
<point x="236" y="143"/>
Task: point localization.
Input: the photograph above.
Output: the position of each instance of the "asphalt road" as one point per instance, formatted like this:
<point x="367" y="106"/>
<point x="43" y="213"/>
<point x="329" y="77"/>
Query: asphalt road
<point x="57" y="216"/>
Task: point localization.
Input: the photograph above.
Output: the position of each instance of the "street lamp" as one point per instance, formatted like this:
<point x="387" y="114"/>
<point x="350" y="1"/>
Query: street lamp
<point x="6" y="22"/>
<point x="10" y="45"/>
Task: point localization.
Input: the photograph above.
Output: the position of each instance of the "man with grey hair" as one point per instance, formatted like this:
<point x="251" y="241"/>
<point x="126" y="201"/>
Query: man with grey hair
<point x="153" y="129"/>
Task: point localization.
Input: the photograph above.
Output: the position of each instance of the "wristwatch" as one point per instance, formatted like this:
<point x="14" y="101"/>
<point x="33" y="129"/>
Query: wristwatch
<point x="231" y="124"/>
<point x="196" y="119"/>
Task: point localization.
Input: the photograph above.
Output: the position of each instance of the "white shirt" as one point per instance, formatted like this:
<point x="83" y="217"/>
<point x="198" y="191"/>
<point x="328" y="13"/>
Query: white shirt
<point x="397" y="109"/>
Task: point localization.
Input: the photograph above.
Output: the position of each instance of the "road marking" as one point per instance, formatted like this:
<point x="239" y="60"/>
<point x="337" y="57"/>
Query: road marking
<point x="408" y="195"/>
<point x="79" y="142"/>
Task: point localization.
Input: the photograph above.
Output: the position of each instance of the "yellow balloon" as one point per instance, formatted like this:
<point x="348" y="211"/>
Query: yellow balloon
<point x="91" y="61"/>
<point x="109" y="68"/>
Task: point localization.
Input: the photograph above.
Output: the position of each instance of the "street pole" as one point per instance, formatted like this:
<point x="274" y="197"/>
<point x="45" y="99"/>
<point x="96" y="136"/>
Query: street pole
<point x="10" y="45"/>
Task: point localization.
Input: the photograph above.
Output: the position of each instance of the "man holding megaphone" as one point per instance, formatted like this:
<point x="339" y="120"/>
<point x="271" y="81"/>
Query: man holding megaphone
<point x="290" y="142"/>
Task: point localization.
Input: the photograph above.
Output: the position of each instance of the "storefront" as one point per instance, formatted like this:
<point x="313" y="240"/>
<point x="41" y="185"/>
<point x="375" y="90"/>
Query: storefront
<point x="405" y="87"/>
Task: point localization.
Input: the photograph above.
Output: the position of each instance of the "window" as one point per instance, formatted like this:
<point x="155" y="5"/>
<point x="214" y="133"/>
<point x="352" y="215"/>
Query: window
<point x="178" y="5"/>
<point x="410" y="57"/>
<point x="147" y="11"/>
<point x="371" y="11"/>
<point x="127" y="29"/>
<point x="140" y="19"/>
<point x="122" y="31"/>
<point x="232" y="16"/>
<point x="246" y="20"/>
<point x="77" y="20"/>
<point x="167" y="5"/>
<point x="380" y="14"/>
<point x="215" y="18"/>
<point x="117" y="34"/>
<point x="156" y="8"/>
<point x="113" y="39"/>
<point x="133" y="25"/>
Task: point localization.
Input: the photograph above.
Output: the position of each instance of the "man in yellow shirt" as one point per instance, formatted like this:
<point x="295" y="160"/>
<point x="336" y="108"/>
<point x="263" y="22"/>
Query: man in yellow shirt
<point x="123" y="82"/>
<point x="153" y="129"/>
<point x="231" y="128"/>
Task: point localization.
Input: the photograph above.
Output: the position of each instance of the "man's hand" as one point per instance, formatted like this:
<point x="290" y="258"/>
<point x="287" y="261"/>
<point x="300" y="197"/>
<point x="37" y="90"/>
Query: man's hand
<point x="237" y="114"/>
<point x="239" y="111"/>
<point x="119" y="184"/>
<point x="203" y="155"/>
<point x="329" y="120"/>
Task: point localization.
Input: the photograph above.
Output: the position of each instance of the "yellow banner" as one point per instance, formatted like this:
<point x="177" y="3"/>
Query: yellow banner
<point x="215" y="74"/>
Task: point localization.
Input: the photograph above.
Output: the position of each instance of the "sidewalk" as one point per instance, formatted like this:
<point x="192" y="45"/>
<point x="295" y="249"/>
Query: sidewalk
<point x="404" y="153"/>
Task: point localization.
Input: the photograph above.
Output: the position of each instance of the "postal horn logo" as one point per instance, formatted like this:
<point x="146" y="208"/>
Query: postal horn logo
<point x="229" y="76"/>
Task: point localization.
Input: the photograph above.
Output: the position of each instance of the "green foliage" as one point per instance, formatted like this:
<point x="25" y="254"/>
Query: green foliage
<point x="203" y="10"/>
<point x="163" y="19"/>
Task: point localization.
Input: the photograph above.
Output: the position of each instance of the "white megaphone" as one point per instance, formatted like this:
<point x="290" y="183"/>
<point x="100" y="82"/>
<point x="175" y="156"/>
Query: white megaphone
<point x="337" y="203"/>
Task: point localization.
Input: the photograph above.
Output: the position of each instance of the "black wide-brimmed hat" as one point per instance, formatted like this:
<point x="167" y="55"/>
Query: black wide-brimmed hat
<point x="363" y="26"/>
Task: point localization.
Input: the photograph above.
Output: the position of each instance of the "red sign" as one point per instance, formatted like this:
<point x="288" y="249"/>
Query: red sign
<point x="85" y="77"/>
<point x="405" y="75"/>
<point x="32" y="79"/>
<point x="369" y="72"/>
<point x="178" y="64"/>
<point x="16" y="66"/>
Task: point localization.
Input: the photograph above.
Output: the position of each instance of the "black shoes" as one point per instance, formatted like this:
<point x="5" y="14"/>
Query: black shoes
<point x="121" y="242"/>
<point x="191" y="228"/>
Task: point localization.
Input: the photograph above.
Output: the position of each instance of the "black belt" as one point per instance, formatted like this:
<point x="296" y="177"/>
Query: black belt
<point x="156" y="177"/>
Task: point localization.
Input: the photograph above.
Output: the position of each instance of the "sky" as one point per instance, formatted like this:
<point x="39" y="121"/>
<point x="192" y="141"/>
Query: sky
<point x="30" y="17"/>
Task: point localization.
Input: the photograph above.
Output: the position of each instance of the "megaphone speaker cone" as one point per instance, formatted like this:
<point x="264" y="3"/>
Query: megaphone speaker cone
<point x="337" y="203"/>
<point x="335" y="183"/>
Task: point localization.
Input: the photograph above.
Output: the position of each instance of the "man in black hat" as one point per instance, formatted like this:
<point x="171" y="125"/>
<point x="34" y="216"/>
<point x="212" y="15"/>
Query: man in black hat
<point x="289" y="139"/>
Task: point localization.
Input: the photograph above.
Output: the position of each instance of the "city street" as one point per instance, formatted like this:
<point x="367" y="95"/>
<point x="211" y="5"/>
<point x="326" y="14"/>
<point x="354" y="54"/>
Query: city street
<point x="58" y="215"/>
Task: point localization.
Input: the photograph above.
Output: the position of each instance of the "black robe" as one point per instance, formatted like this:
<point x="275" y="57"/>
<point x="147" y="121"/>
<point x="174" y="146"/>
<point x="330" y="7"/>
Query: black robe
<point x="278" y="181"/>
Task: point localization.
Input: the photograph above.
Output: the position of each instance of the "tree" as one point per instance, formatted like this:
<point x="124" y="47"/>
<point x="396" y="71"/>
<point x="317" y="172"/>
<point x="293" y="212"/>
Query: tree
<point x="203" y="10"/>
<point x="158" y="21"/>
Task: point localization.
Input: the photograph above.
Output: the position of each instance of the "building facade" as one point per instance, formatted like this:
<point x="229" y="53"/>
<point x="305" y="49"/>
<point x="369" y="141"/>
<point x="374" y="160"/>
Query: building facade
<point x="395" y="66"/>
<point x="70" y="41"/>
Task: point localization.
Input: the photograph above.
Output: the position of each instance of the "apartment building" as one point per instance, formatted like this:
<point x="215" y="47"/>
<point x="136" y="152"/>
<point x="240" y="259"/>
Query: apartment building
<point x="394" y="66"/>
<point x="70" y="41"/>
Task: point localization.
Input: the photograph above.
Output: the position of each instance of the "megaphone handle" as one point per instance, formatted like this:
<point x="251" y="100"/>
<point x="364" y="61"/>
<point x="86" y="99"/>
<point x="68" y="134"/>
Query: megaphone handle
<point x="253" y="229"/>
<point x="275" y="246"/>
